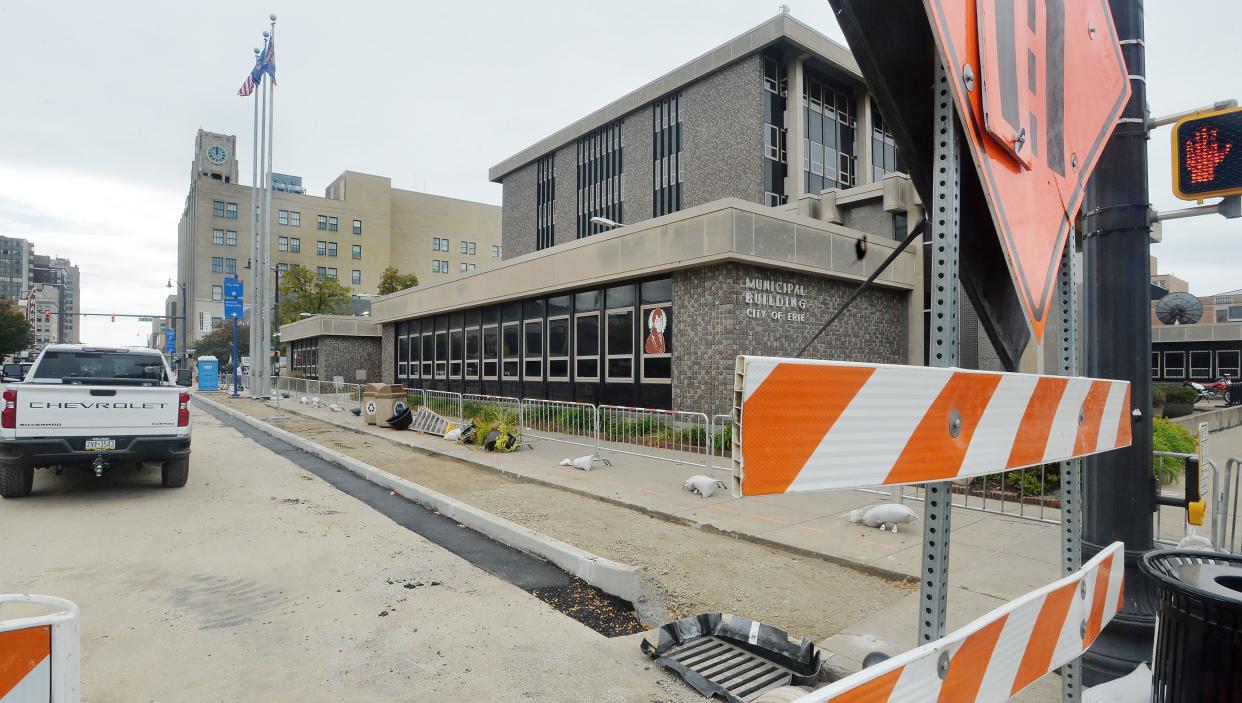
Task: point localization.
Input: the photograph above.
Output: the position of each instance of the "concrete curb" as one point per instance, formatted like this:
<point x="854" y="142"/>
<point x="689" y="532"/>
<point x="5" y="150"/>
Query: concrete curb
<point x="617" y="579"/>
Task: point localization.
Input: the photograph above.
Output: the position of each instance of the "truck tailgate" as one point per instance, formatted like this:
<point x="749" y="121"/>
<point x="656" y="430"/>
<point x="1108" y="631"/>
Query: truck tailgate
<point x="67" y="410"/>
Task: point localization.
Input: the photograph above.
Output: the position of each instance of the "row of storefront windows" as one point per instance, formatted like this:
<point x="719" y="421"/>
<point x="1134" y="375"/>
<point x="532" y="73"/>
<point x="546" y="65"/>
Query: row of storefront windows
<point x="304" y="357"/>
<point x="1196" y="364"/>
<point x="615" y="335"/>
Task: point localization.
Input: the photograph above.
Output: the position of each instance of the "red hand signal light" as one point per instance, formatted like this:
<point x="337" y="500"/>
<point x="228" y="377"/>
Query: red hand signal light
<point x="1203" y="154"/>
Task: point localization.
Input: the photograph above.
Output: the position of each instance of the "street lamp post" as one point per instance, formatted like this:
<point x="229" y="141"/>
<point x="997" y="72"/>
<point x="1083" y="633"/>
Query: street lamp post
<point x="184" y="321"/>
<point x="605" y="222"/>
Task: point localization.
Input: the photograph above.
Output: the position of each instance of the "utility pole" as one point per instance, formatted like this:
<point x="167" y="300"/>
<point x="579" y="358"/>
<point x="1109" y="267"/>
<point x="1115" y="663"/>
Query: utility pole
<point x="1118" y="487"/>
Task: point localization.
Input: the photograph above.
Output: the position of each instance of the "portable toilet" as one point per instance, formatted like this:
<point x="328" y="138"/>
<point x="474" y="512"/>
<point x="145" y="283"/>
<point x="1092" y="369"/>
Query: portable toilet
<point x="208" y="373"/>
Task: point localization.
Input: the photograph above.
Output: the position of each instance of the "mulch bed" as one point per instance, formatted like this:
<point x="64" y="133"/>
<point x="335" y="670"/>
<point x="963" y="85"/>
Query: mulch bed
<point x="608" y="615"/>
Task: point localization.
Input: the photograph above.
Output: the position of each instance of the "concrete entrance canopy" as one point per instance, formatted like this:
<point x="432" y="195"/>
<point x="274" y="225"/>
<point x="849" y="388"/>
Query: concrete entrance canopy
<point x="326" y="346"/>
<point x="714" y="281"/>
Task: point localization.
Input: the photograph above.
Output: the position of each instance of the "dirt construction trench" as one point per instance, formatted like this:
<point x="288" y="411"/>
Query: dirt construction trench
<point x="696" y="571"/>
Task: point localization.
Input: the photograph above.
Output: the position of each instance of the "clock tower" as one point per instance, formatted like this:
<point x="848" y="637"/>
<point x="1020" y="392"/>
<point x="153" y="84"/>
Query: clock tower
<point x="215" y="156"/>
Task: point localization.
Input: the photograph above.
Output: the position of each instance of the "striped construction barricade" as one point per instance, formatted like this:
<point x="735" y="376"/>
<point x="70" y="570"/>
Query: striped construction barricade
<point x="808" y="425"/>
<point x="39" y="656"/>
<point x="1001" y="653"/>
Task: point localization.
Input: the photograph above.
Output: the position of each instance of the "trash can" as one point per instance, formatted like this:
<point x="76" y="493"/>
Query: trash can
<point x="390" y="400"/>
<point x="1199" y="629"/>
<point x="1234" y="395"/>
<point x="208" y="374"/>
<point x="368" y="401"/>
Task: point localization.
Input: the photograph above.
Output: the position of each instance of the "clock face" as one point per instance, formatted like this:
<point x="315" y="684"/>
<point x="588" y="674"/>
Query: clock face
<point x="217" y="154"/>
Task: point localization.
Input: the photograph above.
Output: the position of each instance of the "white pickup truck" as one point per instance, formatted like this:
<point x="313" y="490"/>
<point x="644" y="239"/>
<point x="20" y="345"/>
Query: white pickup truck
<point x="94" y="407"/>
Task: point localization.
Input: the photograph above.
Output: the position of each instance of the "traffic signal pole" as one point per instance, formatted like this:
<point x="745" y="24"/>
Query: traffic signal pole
<point x="1118" y="486"/>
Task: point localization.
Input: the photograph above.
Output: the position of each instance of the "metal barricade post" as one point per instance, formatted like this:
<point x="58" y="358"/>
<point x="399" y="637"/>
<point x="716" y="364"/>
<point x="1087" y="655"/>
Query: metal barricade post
<point x="561" y="421"/>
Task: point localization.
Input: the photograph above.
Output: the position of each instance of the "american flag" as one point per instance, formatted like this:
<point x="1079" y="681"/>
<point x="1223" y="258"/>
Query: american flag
<point x="261" y="65"/>
<point x="249" y="85"/>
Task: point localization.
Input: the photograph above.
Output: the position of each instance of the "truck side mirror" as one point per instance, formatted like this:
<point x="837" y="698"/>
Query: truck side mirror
<point x="185" y="377"/>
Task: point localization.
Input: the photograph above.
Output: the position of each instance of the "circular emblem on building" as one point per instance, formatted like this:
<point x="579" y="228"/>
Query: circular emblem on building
<point x="370" y="407"/>
<point x="217" y="154"/>
<point x="398" y="407"/>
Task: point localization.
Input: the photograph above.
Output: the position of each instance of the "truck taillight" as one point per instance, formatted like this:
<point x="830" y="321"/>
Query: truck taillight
<point x="183" y="410"/>
<point x="8" y="416"/>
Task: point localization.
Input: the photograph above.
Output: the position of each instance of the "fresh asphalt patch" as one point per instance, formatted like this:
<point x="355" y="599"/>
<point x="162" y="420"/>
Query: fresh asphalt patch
<point x="592" y="607"/>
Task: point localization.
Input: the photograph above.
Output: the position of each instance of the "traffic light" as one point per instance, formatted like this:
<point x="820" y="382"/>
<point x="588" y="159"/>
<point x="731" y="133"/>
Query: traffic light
<point x="114" y="317"/>
<point x="1207" y="155"/>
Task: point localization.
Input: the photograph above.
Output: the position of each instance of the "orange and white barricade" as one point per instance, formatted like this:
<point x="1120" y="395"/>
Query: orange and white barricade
<point x="40" y="655"/>
<point x="808" y="425"/>
<point x="1001" y="653"/>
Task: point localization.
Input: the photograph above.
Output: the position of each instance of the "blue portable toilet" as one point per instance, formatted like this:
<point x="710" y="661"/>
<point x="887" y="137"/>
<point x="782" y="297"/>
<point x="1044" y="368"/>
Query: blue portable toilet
<point x="208" y="373"/>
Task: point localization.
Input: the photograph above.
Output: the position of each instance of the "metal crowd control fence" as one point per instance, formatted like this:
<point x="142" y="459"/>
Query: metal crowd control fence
<point x="446" y="403"/>
<point x="491" y="408"/>
<point x="43" y="652"/>
<point x="670" y="435"/>
<point x="1020" y="494"/>
<point x="561" y="421"/>
<point x="721" y="440"/>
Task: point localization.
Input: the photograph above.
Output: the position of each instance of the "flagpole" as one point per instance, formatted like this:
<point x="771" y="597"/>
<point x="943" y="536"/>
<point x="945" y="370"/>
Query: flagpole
<point x="256" y="354"/>
<point x="253" y="215"/>
<point x="267" y="228"/>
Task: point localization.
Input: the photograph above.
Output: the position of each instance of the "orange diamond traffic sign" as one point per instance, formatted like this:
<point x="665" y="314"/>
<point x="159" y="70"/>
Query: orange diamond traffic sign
<point x="1039" y="87"/>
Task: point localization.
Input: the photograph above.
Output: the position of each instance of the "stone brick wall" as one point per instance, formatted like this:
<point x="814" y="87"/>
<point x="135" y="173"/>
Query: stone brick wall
<point x="637" y="193"/>
<point x="722" y="137"/>
<point x="344" y="356"/>
<point x="517" y="218"/>
<point x="388" y="354"/>
<point x="713" y="326"/>
<point x="565" y="209"/>
<point x="871" y="218"/>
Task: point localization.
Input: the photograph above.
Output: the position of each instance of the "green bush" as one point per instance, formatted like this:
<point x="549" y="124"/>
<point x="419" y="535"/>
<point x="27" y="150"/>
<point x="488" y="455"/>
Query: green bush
<point x="1168" y="436"/>
<point x="1175" y="393"/>
<point x="1027" y="483"/>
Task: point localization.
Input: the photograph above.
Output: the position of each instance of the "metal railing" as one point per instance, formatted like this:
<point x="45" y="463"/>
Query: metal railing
<point x="561" y="421"/>
<point x="481" y="407"/>
<point x="721" y="439"/>
<point x="446" y="403"/>
<point x="670" y="435"/>
<point x="1020" y="494"/>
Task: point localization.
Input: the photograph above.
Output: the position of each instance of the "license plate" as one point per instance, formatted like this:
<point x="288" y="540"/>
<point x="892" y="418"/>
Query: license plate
<point x="100" y="444"/>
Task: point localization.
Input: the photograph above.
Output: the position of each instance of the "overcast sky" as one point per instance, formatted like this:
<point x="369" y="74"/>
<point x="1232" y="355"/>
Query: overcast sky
<point x="102" y="100"/>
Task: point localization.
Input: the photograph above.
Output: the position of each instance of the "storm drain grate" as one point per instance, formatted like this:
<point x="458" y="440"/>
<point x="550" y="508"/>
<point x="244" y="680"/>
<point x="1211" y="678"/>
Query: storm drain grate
<point x="742" y="674"/>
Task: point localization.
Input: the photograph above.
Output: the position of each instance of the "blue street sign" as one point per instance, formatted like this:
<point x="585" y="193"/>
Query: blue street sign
<point x="233" y="308"/>
<point x="170" y="340"/>
<point x="232" y="289"/>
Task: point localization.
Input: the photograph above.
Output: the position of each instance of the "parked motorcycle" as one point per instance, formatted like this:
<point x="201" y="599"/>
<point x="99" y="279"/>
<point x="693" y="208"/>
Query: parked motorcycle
<point x="1216" y="390"/>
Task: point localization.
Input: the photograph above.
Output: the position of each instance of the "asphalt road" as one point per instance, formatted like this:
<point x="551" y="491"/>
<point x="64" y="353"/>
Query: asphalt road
<point x="259" y="581"/>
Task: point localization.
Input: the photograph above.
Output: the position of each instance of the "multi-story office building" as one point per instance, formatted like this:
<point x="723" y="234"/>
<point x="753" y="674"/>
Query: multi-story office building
<point x="359" y="227"/>
<point x="59" y="273"/>
<point x="45" y="324"/>
<point x="16" y="268"/>
<point x="727" y="207"/>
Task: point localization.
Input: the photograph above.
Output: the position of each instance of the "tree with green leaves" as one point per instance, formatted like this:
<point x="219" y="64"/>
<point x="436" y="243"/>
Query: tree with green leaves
<point x="392" y="280"/>
<point x="15" y="333"/>
<point x="219" y="343"/>
<point x="301" y="290"/>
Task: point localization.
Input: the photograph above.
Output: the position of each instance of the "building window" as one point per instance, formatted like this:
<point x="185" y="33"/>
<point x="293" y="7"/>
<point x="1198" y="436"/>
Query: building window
<point x="667" y="170"/>
<point x="828" y="148"/>
<point x="295" y="218"/>
<point x="295" y="244"/>
<point x="884" y="156"/>
<point x="356" y="251"/>
<point x="282" y="217"/>
<point x="428" y="354"/>
<point x="282" y="267"/>
<point x="217" y="264"/>
<point x="217" y="292"/>
<point x="1235" y="313"/>
<point x="403" y="352"/>
<point x="230" y="237"/>
<point x="1155" y="364"/>
<point x="464" y="248"/>
<point x="1227" y="363"/>
<point x="331" y="272"/>
<point x="465" y="268"/>
<point x="900" y="226"/>
<point x="545" y="202"/>
<point x="331" y="224"/>
<point x="1201" y="364"/>
<point x="282" y="243"/>
<point x="321" y="222"/>
<point x="441" y="353"/>
<point x="320" y="272"/>
<point x="657" y="331"/>
<point x="511" y="350"/>
<point x="490" y="351"/>
<point x="217" y="236"/>
<point x="775" y="150"/>
<point x="357" y="226"/>
<point x="532" y="354"/>
<point x="331" y="248"/>
<point x="217" y="208"/>
<point x="355" y="277"/>
<point x="558" y="349"/>
<point x="321" y="248"/>
<point x="472" y="352"/>
<point x="473" y="249"/>
<point x="1175" y="364"/>
<point x="455" y="353"/>
<point x="230" y="266"/>
<point x="600" y="178"/>
<point x="230" y="211"/>
<point x="620" y="345"/>
<point x="435" y="244"/>
<point x="496" y="251"/>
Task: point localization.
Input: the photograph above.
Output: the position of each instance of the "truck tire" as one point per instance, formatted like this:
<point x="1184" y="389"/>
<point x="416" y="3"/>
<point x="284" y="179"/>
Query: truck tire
<point x="16" y="481"/>
<point x="175" y="472"/>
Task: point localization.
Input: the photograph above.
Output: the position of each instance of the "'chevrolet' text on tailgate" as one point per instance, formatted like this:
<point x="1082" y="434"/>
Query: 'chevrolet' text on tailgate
<point x="102" y="406"/>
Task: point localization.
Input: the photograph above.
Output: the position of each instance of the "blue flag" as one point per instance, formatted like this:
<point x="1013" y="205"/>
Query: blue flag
<point x="267" y="62"/>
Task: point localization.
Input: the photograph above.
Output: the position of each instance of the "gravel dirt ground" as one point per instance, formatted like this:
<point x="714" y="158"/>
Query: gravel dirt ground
<point x="260" y="582"/>
<point x="696" y="571"/>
